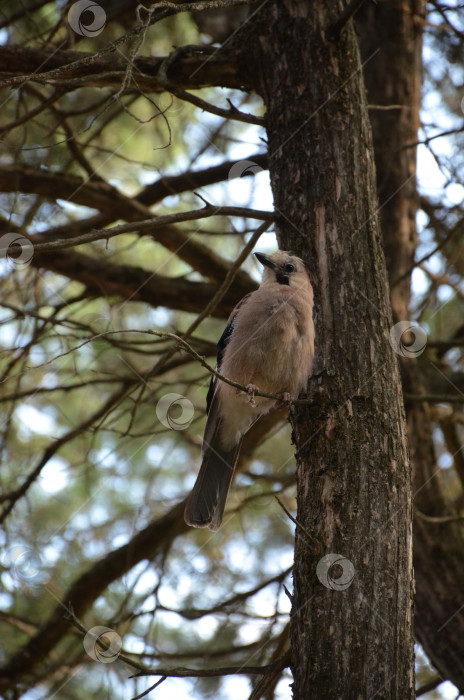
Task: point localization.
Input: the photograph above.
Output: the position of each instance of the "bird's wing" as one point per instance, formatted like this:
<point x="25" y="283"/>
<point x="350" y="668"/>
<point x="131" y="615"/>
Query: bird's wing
<point x="221" y="345"/>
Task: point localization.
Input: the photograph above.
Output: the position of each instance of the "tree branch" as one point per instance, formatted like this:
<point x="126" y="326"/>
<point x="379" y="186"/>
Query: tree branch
<point x="215" y="672"/>
<point x="73" y="69"/>
<point x="136" y="226"/>
<point x="232" y="113"/>
<point x="80" y="596"/>
<point x="136" y="284"/>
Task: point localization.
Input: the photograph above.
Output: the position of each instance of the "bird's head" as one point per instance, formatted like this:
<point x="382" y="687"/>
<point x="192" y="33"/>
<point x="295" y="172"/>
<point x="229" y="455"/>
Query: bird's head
<point x="284" y="268"/>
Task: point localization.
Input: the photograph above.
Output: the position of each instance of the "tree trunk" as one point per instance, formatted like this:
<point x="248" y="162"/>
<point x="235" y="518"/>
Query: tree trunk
<point x="350" y="639"/>
<point x="394" y="77"/>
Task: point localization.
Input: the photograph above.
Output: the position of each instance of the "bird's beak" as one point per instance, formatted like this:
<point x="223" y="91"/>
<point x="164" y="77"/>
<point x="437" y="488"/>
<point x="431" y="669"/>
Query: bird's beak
<point x="266" y="260"/>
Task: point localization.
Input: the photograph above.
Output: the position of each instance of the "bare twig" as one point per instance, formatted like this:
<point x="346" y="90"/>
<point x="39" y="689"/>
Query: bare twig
<point x="334" y="31"/>
<point x="144" y="225"/>
<point x="13" y="496"/>
<point x="434" y="398"/>
<point x="307" y="535"/>
<point x="182" y="672"/>
<point x="439" y="520"/>
<point x="182" y="94"/>
<point x="431" y="685"/>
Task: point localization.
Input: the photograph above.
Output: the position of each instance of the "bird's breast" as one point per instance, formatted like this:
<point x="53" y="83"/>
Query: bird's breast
<point x="271" y="344"/>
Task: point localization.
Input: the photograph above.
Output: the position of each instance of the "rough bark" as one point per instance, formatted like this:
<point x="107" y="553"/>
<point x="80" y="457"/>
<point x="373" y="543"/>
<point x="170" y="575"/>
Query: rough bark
<point x="353" y="473"/>
<point x="394" y="77"/>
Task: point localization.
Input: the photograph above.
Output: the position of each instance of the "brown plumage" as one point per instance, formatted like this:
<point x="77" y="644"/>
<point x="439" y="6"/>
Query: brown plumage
<point x="268" y="345"/>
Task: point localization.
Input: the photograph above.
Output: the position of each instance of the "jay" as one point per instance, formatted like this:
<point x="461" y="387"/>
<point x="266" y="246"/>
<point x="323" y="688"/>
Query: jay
<point x="268" y="345"/>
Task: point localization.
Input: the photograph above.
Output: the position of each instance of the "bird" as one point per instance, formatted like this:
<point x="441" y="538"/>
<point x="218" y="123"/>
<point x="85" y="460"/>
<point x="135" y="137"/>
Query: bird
<point x="268" y="346"/>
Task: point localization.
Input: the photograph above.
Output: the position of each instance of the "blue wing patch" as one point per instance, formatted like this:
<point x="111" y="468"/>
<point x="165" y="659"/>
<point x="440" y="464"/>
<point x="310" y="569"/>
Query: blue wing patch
<point x="221" y="345"/>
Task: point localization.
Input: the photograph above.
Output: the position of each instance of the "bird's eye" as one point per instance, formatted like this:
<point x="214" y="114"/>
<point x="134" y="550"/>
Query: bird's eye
<point x="289" y="267"/>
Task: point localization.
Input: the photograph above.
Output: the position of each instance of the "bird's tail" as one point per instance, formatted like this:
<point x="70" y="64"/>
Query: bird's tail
<point x="206" y="503"/>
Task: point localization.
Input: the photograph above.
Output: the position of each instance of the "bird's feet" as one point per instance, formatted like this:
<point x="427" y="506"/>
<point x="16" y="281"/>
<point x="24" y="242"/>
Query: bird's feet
<point x="251" y="391"/>
<point x="284" y="401"/>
